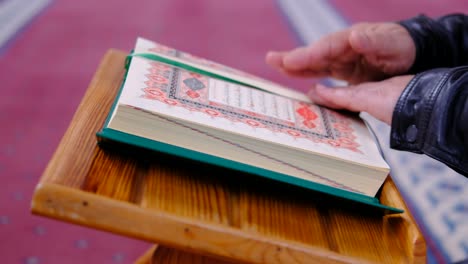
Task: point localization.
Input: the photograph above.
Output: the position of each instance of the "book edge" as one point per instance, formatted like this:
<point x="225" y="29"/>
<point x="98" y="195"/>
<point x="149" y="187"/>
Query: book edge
<point x="111" y="135"/>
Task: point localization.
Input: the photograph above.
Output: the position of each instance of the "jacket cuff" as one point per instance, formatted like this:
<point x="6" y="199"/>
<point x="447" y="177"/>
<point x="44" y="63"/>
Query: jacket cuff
<point x="413" y="110"/>
<point x="431" y="41"/>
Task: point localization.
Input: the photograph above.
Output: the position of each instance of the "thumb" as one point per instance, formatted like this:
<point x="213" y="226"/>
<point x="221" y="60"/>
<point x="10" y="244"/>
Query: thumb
<point x="376" y="98"/>
<point x="352" y="98"/>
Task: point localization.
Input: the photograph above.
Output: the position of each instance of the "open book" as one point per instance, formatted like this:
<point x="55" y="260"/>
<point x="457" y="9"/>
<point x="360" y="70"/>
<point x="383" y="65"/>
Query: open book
<point x="176" y="103"/>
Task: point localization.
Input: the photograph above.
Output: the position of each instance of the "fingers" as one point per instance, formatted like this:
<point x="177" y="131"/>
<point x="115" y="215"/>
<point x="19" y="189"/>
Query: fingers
<point x="367" y="51"/>
<point x="313" y="60"/>
<point x="319" y="55"/>
<point x="376" y="98"/>
<point x="275" y="59"/>
<point x="296" y="59"/>
<point x="293" y="63"/>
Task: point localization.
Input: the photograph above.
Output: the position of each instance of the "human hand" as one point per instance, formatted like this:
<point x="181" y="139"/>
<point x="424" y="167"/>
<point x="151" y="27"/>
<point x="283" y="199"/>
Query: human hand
<point x="363" y="52"/>
<point x="376" y="98"/>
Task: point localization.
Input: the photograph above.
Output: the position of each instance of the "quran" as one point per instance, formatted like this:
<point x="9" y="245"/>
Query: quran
<point x="176" y="103"/>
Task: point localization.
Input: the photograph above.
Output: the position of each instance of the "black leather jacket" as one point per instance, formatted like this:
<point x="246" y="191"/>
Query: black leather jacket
<point x="431" y="115"/>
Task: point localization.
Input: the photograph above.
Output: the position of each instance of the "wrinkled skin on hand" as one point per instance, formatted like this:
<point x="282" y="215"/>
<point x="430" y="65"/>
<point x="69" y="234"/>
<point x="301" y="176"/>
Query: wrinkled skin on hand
<point x="364" y="55"/>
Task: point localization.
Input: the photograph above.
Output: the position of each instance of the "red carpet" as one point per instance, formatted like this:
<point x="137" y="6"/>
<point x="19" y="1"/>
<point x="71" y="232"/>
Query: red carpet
<point x="45" y="71"/>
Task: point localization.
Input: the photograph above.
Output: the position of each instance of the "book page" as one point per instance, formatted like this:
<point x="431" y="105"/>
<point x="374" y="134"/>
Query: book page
<point x="173" y="92"/>
<point x="146" y="46"/>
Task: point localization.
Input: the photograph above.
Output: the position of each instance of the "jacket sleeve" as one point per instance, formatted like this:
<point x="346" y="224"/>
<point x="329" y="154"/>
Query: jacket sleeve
<point x="431" y="117"/>
<point x="439" y="43"/>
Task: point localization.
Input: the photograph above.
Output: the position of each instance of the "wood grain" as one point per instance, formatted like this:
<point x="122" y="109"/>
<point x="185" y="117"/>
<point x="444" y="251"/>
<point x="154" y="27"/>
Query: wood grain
<point x="164" y="255"/>
<point x="171" y="256"/>
<point x="212" y="211"/>
<point x="147" y="257"/>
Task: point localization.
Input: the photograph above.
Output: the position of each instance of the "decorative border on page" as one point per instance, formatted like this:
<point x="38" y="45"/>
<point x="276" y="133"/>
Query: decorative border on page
<point x="177" y="87"/>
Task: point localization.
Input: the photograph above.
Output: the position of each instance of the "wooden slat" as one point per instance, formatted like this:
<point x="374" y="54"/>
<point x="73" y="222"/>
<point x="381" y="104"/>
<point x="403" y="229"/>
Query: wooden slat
<point x="75" y="154"/>
<point x="409" y="236"/>
<point x="213" y="211"/>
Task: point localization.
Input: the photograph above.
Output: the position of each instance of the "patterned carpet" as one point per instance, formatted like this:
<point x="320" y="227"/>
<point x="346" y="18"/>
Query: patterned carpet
<point x="45" y="68"/>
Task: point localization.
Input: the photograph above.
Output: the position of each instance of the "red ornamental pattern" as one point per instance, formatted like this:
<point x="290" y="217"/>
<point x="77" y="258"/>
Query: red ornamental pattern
<point x="308" y="118"/>
<point x="192" y="94"/>
<point x="212" y="112"/>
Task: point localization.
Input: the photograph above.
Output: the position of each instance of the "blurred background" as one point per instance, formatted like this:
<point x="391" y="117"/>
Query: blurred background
<point x="49" y="50"/>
